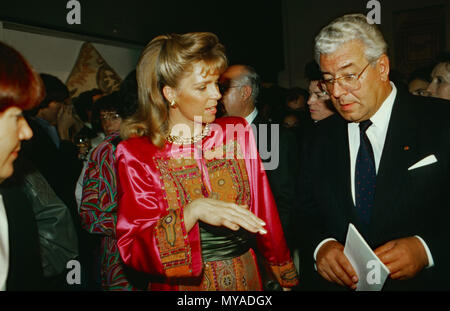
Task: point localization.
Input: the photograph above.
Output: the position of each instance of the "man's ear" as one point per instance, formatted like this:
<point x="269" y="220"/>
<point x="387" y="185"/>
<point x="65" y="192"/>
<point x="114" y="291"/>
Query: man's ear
<point x="246" y="91"/>
<point x="383" y="67"/>
<point x="169" y="93"/>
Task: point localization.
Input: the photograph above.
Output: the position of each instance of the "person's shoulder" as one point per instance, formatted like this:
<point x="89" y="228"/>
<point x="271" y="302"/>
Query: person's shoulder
<point x="138" y="146"/>
<point x="106" y="146"/>
<point x="330" y="122"/>
<point x="223" y="121"/>
<point x="441" y="105"/>
<point x="428" y="109"/>
<point x="136" y="142"/>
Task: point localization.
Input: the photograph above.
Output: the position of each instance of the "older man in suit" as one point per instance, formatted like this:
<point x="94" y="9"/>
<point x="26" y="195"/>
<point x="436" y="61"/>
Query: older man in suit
<point x="382" y="164"/>
<point x="278" y="148"/>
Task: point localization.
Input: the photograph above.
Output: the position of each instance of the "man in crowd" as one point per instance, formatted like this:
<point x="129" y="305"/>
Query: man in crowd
<point x="240" y="88"/>
<point x="55" y="156"/>
<point x="20" y="260"/>
<point x="381" y="163"/>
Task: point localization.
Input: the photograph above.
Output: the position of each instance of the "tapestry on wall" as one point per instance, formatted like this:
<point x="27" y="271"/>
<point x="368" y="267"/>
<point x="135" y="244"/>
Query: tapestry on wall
<point x="92" y="72"/>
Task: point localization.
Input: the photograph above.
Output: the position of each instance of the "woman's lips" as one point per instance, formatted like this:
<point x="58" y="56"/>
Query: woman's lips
<point x="212" y="110"/>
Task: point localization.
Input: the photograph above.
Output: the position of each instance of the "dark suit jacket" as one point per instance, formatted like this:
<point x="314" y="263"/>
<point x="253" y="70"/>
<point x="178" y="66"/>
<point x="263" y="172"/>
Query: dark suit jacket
<point x="25" y="266"/>
<point x="407" y="202"/>
<point x="61" y="168"/>
<point x="283" y="179"/>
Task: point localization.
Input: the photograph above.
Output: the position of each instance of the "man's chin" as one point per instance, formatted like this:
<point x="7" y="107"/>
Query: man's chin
<point x="350" y="116"/>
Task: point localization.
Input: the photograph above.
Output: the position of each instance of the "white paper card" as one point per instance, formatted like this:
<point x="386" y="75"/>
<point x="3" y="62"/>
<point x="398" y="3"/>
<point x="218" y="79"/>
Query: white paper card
<point x="372" y="273"/>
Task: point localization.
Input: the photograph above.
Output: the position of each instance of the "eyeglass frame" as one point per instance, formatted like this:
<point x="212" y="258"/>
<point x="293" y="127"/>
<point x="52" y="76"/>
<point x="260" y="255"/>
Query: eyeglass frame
<point x="222" y="91"/>
<point x="324" y="81"/>
<point x="110" y="116"/>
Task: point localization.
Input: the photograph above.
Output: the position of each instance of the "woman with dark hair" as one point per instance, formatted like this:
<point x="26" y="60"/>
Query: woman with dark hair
<point x="20" y="89"/>
<point x="194" y="200"/>
<point x="98" y="210"/>
<point x="419" y="80"/>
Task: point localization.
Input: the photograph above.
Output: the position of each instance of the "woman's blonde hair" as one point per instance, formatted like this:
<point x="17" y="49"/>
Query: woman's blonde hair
<point x="164" y="62"/>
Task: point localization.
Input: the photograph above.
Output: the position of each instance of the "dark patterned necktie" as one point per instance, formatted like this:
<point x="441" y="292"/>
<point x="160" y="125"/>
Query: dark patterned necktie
<point x="365" y="176"/>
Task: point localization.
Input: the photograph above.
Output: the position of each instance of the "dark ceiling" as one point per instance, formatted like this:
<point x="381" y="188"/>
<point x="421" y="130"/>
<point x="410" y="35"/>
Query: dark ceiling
<point x="252" y="31"/>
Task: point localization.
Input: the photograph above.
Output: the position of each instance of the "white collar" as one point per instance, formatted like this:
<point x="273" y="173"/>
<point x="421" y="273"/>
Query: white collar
<point x="251" y="117"/>
<point x="381" y="118"/>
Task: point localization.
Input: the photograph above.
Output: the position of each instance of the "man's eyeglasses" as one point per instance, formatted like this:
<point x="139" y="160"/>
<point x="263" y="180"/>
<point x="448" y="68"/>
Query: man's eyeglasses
<point x="349" y="82"/>
<point x="223" y="88"/>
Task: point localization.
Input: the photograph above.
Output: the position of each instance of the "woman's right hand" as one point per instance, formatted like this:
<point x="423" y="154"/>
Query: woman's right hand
<point x="220" y="213"/>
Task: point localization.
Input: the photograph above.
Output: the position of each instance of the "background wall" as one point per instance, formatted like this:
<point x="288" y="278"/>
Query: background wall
<point x="252" y="31"/>
<point x="57" y="56"/>
<point x="303" y="20"/>
<point x="276" y="37"/>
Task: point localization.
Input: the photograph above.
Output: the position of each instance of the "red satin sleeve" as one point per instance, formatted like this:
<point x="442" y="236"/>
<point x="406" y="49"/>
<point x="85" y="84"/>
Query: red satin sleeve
<point x="272" y="245"/>
<point x="151" y="238"/>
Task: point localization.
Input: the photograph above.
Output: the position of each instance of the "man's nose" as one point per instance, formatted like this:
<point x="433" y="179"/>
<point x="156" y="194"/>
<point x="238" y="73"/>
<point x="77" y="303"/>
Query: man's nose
<point x="431" y="89"/>
<point x="25" y="132"/>
<point x="338" y="90"/>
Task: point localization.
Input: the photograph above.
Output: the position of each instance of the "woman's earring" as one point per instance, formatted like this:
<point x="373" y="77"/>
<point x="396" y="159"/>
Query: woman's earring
<point x="173" y="104"/>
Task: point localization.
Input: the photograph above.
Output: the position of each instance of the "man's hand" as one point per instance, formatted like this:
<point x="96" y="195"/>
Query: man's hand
<point x="334" y="266"/>
<point x="65" y="121"/>
<point x="403" y="257"/>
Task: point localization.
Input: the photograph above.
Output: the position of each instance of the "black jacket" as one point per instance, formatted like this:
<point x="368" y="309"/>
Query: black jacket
<point x="25" y="266"/>
<point x="407" y="202"/>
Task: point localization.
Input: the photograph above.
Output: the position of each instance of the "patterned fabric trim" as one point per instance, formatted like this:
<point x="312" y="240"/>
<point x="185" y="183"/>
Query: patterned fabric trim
<point x="285" y="274"/>
<point x="113" y="276"/>
<point x="173" y="245"/>
<point x="237" y="274"/>
<point x="98" y="212"/>
<point x="183" y="182"/>
<point x="98" y="205"/>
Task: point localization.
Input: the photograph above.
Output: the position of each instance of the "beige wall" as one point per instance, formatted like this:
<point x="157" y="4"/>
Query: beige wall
<point x="303" y="19"/>
<point x="57" y="56"/>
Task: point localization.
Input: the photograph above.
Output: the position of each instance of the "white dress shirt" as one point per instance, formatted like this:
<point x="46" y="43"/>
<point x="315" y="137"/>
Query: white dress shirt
<point x="4" y="246"/>
<point x="251" y="116"/>
<point x="377" y="136"/>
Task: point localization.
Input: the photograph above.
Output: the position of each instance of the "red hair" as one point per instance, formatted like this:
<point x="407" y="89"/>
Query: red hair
<point x="20" y="85"/>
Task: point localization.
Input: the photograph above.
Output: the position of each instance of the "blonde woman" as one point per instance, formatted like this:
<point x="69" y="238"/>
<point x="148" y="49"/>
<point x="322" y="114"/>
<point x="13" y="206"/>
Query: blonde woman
<point x="194" y="200"/>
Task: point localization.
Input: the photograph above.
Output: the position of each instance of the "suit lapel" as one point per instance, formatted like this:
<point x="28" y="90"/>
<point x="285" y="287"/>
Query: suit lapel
<point x="342" y="181"/>
<point x="398" y="151"/>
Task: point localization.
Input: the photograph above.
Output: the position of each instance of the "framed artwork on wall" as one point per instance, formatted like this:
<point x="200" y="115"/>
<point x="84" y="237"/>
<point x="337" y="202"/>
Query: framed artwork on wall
<point x="419" y="37"/>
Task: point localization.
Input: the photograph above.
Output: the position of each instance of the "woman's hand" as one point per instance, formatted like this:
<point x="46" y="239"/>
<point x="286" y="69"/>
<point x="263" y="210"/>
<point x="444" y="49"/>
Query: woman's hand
<point x="220" y="213"/>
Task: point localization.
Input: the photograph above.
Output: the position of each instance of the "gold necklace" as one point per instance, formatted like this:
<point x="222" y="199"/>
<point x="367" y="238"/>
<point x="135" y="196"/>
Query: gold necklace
<point x="188" y="140"/>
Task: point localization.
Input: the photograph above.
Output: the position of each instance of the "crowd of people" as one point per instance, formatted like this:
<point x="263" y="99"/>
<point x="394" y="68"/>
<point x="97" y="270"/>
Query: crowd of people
<point x="195" y="175"/>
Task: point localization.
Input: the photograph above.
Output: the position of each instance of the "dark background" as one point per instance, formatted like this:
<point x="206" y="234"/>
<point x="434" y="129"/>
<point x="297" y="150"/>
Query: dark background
<point x="251" y="31"/>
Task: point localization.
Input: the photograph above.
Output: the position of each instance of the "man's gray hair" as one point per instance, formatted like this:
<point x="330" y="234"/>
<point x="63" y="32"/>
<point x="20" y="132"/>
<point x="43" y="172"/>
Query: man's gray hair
<point x="250" y="77"/>
<point x="347" y="28"/>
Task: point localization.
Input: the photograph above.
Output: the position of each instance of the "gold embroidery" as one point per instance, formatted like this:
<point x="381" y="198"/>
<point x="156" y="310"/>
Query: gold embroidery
<point x="182" y="183"/>
<point x="168" y="224"/>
